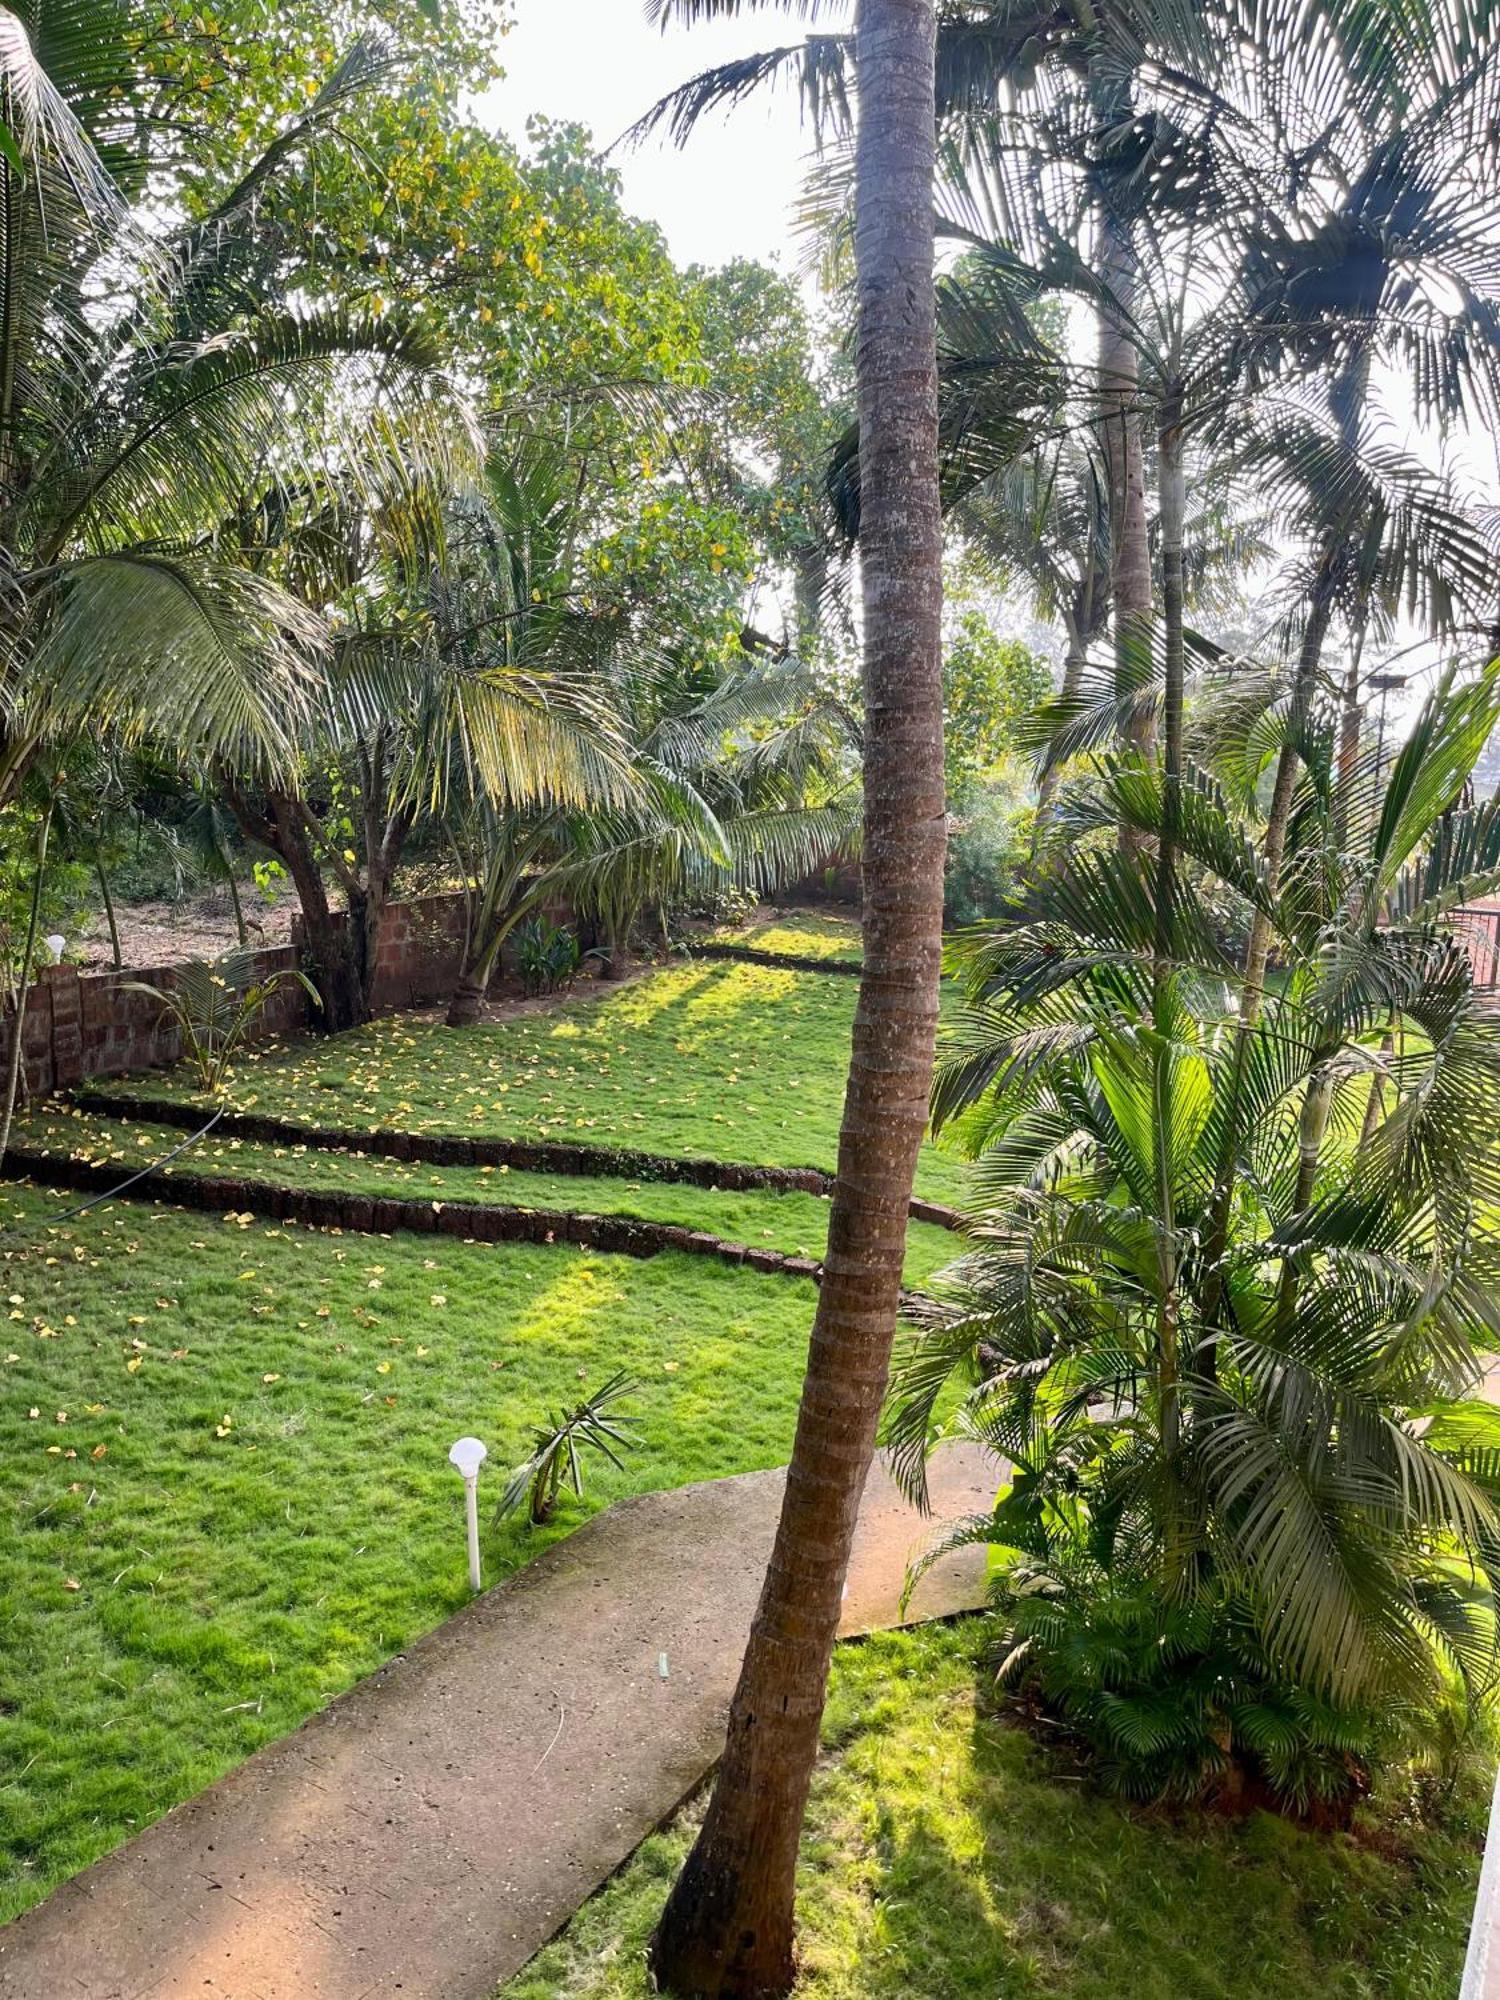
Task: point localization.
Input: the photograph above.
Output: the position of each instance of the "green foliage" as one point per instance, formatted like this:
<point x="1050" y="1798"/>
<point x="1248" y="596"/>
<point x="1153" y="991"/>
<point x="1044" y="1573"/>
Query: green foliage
<point x="1234" y="1267"/>
<point x="214" y="1005"/>
<point x="989" y="685"/>
<point x="1180" y="1700"/>
<point x="987" y="849"/>
<point x="66" y="888"/>
<point x="558" y="1448"/>
<point x="547" y="956"/>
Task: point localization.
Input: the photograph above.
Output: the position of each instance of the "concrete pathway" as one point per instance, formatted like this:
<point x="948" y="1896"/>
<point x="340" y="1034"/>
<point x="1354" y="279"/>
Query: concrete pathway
<point x="429" y="1831"/>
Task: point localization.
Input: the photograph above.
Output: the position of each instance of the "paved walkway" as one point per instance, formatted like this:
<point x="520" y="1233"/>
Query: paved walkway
<point x="429" y="1831"/>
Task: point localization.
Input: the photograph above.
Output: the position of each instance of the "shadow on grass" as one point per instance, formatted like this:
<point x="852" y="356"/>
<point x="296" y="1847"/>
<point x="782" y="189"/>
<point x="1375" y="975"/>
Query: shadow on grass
<point x="949" y="1856"/>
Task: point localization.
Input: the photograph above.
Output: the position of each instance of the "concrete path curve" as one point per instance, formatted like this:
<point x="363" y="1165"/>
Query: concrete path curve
<point x="430" y="1830"/>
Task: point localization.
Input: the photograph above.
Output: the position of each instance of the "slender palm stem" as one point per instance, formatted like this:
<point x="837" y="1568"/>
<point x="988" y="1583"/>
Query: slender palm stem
<point x="28" y="956"/>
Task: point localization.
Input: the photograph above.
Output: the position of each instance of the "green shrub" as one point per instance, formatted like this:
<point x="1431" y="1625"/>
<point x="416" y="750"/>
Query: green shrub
<point x="1180" y="1701"/>
<point x="547" y="956"/>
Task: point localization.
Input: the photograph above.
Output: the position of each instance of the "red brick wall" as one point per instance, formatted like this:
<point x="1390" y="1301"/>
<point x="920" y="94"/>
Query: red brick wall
<point x="80" y="1025"/>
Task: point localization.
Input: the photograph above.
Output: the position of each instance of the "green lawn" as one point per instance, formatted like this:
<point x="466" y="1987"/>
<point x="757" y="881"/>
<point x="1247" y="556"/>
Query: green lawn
<point x="797" y="934"/>
<point x="795" y="1223"/>
<point x="947" y="1857"/>
<point x="171" y="1598"/>
<point x="706" y="1059"/>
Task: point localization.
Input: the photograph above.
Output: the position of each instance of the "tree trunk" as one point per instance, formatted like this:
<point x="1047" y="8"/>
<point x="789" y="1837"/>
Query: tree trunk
<point x="241" y="928"/>
<point x="1173" y="489"/>
<point x="467" y="1004"/>
<point x="15" y="1065"/>
<point x="614" y="961"/>
<point x="727" y="1929"/>
<point x="329" y="941"/>
<point x="1131" y="587"/>
<point x="1258" y="950"/>
<point x="1073" y="666"/>
<point x="1279" y="816"/>
<point x="1173" y="492"/>
<point x="109" y="911"/>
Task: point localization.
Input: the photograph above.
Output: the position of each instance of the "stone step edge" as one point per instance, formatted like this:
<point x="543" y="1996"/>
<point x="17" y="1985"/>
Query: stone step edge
<point x="746" y="954"/>
<point x="385" y="1215"/>
<point x="463" y="1150"/>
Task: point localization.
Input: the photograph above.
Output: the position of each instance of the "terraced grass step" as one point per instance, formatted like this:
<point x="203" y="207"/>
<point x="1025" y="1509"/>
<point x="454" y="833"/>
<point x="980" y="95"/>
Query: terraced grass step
<point x="749" y="954"/>
<point x="707" y="1066"/>
<point x="790" y="1225"/>
<point x="460" y="1150"/>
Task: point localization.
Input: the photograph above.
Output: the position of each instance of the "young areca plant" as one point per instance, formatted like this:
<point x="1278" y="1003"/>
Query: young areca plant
<point x="557" y="1447"/>
<point x="214" y="1004"/>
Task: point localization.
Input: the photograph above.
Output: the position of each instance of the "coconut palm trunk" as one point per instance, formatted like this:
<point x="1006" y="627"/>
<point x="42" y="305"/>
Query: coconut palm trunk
<point x="727" y="1929"/>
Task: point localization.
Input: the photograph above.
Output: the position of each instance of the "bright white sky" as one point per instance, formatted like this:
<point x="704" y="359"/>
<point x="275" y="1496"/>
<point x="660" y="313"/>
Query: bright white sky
<point x="598" y="62"/>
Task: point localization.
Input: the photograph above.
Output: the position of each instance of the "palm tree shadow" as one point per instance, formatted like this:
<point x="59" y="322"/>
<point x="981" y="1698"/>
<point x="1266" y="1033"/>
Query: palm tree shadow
<point x="1009" y="1875"/>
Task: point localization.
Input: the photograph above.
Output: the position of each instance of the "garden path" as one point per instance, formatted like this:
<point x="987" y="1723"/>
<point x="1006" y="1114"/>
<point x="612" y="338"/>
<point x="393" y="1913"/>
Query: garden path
<point x="430" y="1830"/>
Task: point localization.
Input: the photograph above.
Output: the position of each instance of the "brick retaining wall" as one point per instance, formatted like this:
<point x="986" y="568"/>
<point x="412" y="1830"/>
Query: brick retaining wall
<point x="85" y="1024"/>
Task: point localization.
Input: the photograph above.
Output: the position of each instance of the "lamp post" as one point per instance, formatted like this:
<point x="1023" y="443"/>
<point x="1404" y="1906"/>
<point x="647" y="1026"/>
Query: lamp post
<point x="468" y="1455"/>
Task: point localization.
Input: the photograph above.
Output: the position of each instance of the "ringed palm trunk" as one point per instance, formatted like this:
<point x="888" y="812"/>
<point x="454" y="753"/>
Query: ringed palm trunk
<point x="15" y="1060"/>
<point x="1120" y="425"/>
<point x="727" y="1929"/>
<point x="1173" y="494"/>
<point x="1258" y="950"/>
<point x="1074" y="662"/>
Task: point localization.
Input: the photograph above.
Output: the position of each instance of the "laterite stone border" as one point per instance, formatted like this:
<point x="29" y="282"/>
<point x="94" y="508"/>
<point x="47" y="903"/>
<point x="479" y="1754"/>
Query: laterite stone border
<point x="386" y="1215"/>
<point x="459" y="1150"/>
<point x="746" y="954"/>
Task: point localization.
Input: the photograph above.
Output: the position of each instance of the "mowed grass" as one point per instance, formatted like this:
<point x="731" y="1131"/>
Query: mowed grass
<point x="794" y="1223"/>
<point x="699" y="1060"/>
<point x="948" y="1857"/>
<point x="225" y="1490"/>
<point x="797" y="934"/>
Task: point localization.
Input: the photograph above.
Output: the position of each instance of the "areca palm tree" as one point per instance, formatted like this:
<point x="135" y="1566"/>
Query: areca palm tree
<point x="1271" y="1404"/>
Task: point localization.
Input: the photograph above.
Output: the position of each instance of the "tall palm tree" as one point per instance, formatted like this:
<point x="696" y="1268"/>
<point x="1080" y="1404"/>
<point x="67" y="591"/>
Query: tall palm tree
<point x="728" y="1924"/>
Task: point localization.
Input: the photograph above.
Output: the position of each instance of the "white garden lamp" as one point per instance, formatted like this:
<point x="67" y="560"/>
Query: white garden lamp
<point x="468" y="1455"/>
<point x="57" y="944"/>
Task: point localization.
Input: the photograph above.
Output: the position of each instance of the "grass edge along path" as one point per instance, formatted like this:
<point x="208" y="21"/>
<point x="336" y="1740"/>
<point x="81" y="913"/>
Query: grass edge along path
<point x="224" y="1477"/>
<point x="407" y="1832"/>
<point x="948" y="1853"/>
